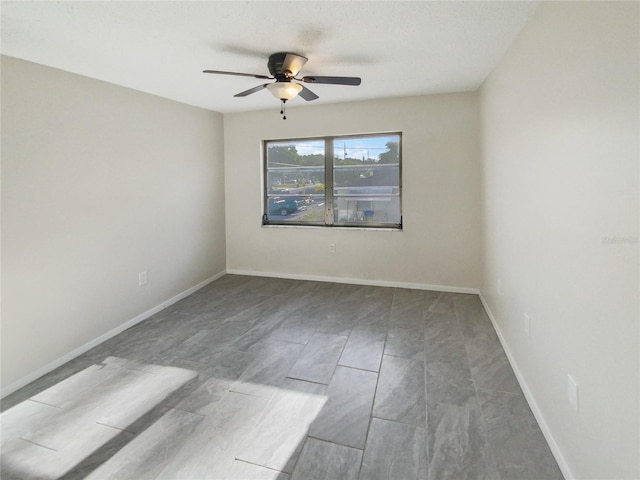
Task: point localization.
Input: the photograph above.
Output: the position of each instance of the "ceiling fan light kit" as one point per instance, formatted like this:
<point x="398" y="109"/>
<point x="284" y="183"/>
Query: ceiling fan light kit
<point x="284" y="66"/>
<point x="284" y="90"/>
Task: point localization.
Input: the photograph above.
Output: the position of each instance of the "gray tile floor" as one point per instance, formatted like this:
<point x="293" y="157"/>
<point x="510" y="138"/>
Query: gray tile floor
<point x="259" y="378"/>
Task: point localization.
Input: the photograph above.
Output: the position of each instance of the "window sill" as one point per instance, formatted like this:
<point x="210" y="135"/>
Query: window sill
<point x="322" y="227"/>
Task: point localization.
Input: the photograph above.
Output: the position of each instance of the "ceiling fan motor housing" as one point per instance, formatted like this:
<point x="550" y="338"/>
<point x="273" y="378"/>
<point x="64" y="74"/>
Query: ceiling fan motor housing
<point x="285" y="65"/>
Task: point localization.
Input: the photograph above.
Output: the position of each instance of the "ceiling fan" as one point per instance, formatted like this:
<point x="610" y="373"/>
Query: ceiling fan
<point x="283" y="67"/>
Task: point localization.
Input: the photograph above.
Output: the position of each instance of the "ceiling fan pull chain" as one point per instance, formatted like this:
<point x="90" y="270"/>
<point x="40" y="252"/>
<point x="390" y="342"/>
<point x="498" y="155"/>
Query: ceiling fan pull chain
<point x="283" y="110"/>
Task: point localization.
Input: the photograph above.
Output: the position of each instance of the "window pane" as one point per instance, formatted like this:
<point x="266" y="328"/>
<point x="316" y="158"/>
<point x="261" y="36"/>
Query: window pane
<point x="364" y="172"/>
<point x="295" y="182"/>
<point x="366" y="178"/>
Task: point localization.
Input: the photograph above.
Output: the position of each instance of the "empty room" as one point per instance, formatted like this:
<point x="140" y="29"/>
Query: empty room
<point x="320" y="240"/>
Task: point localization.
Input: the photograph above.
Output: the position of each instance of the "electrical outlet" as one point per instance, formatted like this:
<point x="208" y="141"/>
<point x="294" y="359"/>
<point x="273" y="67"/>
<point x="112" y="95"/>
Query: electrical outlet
<point x="142" y="278"/>
<point x="527" y="325"/>
<point x="332" y="248"/>
<point x="572" y="392"/>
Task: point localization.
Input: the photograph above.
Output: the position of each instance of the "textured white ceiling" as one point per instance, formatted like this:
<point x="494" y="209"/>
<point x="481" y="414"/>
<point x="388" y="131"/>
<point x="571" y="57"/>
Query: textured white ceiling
<point x="161" y="47"/>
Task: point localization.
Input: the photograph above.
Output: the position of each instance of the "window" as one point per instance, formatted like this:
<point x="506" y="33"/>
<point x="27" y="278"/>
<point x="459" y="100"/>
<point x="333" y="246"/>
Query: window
<point x="345" y="181"/>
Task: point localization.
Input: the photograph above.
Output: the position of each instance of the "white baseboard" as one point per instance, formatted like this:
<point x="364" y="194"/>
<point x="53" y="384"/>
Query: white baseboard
<point x="102" y="338"/>
<point x="537" y="413"/>
<point x="357" y="281"/>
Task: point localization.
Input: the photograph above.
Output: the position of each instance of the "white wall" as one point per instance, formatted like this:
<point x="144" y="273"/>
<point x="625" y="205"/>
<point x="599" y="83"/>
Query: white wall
<point x="99" y="182"/>
<point x="560" y="120"/>
<point x="439" y="244"/>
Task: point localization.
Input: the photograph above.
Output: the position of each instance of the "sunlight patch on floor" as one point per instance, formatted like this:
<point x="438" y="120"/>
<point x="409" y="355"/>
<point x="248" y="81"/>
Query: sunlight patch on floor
<point x="61" y="427"/>
<point x="94" y="423"/>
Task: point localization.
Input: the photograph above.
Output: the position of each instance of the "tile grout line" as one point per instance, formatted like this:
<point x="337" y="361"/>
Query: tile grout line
<point x="236" y="459"/>
<point x="483" y="427"/>
<point x="375" y="394"/>
<point x="426" y="394"/>
<point x="37" y="444"/>
<point x="43" y="403"/>
<point x="332" y="442"/>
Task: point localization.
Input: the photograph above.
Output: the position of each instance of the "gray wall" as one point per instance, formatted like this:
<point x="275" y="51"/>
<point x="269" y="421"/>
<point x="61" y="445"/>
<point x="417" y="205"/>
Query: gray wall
<point x="440" y="198"/>
<point x="560" y="180"/>
<point x="99" y="183"/>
